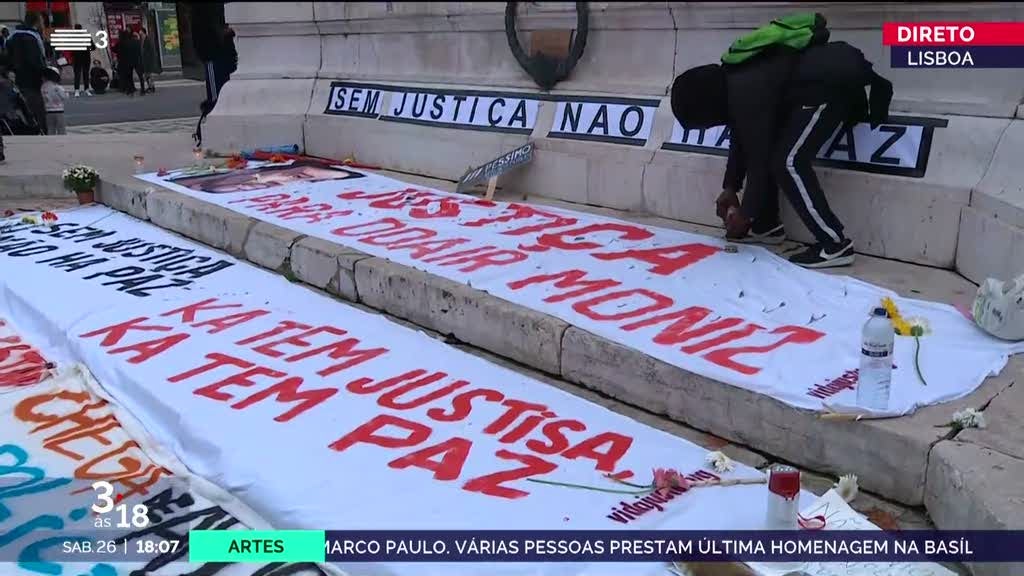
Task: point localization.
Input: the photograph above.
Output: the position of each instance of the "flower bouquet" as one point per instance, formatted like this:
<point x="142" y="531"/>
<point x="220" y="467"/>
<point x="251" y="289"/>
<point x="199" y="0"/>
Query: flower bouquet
<point x="30" y="220"/>
<point x="82" y="180"/>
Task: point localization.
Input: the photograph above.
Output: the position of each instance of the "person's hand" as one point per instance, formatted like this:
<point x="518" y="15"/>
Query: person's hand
<point x="727" y="199"/>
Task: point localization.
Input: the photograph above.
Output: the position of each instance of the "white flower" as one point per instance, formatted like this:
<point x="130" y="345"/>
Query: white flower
<point x="968" y="418"/>
<point x="720" y="462"/>
<point x="921" y="324"/>
<point x="846" y="487"/>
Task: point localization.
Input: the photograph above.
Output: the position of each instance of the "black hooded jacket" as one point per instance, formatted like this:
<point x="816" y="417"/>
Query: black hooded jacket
<point x="762" y="90"/>
<point x="27" y="57"/>
<point x="207" y="30"/>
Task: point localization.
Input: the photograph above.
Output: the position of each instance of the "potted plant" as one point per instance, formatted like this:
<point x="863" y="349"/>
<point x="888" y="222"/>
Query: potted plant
<point x="82" y="180"/>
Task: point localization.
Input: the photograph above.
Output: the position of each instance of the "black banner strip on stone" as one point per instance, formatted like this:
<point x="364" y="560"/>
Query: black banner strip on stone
<point x="454" y="126"/>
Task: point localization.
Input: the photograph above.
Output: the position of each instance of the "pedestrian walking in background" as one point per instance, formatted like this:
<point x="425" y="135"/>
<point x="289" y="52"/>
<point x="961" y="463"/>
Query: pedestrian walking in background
<point x="138" y="67"/>
<point x="54" y="96"/>
<point x="4" y="34"/>
<point x="27" y="57"/>
<point x="81" y="60"/>
<point x="150" y="61"/>
<point x="129" y="56"/>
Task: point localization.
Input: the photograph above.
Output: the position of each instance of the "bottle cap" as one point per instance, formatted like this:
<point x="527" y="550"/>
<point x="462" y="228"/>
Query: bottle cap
<point x="879" y="312"/>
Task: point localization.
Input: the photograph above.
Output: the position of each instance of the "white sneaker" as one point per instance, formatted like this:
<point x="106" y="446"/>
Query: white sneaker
<point x="88" y="93"/>
<point x="77" y="93"/>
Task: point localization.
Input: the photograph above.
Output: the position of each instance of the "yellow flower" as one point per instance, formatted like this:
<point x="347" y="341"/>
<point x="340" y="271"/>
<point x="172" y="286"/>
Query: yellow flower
<point x="901" y="326"/>
<point x="29" y="220"/>
<point x="890" y="307"/>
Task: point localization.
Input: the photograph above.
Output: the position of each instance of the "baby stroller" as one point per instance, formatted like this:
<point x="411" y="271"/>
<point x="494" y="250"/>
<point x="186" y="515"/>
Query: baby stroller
<point x="16" y="119"/>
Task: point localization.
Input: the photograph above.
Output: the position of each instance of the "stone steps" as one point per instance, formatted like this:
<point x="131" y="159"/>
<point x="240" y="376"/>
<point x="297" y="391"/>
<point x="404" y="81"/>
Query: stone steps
<point x="912" y="460"/>
<point x="310" y="252"/>
<point x="910" y="469"/>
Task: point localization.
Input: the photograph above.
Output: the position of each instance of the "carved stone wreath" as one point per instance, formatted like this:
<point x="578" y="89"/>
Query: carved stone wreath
<point x="546" y="70"/>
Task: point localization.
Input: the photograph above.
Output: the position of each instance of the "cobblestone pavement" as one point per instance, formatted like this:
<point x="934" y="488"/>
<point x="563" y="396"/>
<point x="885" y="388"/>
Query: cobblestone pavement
<point x="166" y="126"/>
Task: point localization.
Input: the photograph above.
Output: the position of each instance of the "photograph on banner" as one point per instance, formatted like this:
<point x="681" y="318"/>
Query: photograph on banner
<point x="749" y="319"/>
<point x="268" y="176"/>
<point x="60" y="440"/>
<point x="327" y="389"/>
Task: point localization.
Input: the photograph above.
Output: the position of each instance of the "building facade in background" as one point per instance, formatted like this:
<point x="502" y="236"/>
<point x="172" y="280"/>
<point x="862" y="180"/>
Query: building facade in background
<point x="159" y="18"/>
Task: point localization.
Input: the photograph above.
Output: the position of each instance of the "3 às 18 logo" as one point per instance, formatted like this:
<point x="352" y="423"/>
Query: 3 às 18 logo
<point x="139" y="517"/>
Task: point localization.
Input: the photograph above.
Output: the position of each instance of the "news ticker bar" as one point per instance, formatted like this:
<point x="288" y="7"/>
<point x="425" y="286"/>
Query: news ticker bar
<point x="347" y="546"/>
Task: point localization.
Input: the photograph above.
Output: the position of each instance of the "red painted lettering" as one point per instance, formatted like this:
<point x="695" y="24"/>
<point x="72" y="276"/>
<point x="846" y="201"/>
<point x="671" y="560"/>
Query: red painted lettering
<point x="557" y="442"/>
<point x="188" y="312"/>
<point x="287" y="391"/>
<point x="417" y="250"/>
<point x="296" y="340"/>
<point x="341" y="349"/>
<point x="516" y="408"/>
<point x="261" y="199"/>
<point x="114" y="333"/>
<point x="794" y="335"/>
<point x="146" y="350"/>
<point x="216" y="361"/>
<point x="462" y="405"/>
<point x="567" y="279"/>
<point x="243" y="378"/>
<point x="495" y="258"/>
<point x="525" y="427"/>
<point x="722" y="339"/>
<point x="586" y="307"/>
<point x="217" y="325"/>
<point x="368" y="433"/>
<point x="366" y="385"/>
<point x="523" y="212"/>
<point x="453" y="453"/>
<point x="606" y="461"/>
<point x="383" y="225"/>
<point x="558" y="239"/>
<point x="283" y="326"/>
<point x="491" y="484"/>
<point x="666" y="260"/>
<point x="398" y="236"/>
<point x="390" y="398"/>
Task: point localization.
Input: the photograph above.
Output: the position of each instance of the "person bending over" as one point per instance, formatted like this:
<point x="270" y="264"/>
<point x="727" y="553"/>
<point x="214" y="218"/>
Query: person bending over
<point x="781" y="106"/>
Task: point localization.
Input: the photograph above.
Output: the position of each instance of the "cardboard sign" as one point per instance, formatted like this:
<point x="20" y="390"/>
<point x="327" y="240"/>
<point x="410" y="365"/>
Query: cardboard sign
<point x="617" y="121"/>
<point x="900" y="147"/>
<point x="497" y="167"/>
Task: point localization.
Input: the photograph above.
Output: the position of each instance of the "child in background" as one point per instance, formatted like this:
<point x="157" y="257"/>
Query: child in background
<point x="54" y="96"/>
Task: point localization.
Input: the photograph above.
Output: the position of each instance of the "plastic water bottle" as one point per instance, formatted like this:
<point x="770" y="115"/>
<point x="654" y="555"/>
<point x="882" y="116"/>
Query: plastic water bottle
<point x="875" y="373"/>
